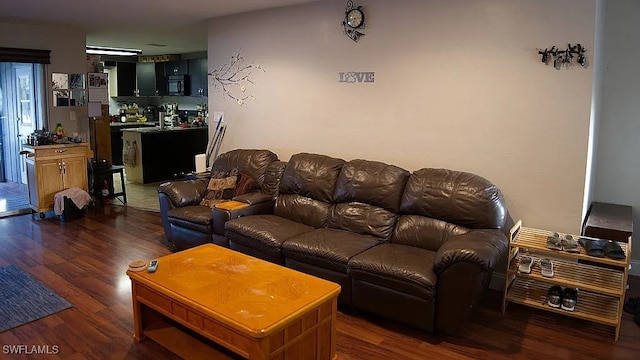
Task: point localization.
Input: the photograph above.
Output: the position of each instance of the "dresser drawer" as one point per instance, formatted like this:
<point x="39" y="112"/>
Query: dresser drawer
<point x="61" y="152"/>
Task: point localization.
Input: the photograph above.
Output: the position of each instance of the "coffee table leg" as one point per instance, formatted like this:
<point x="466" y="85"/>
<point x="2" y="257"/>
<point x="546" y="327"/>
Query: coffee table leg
<point x="137" y="319"/>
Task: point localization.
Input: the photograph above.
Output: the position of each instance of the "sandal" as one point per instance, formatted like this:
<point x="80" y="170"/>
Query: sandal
<point x="553" y="241"/>
<point x="569" y="244"/>
<point x="525" y="264"/>
<point x="546" y="268"/>
<point x="593" y="247"/>
<point x="613" y="250"/>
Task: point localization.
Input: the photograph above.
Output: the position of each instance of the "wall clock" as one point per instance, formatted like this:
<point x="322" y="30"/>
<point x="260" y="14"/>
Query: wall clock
<point x="353" y="21"/>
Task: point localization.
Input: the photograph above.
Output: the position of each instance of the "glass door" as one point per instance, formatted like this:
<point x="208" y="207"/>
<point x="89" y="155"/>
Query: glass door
<point x="25" y="109"/>
<point x="21" y="112"/>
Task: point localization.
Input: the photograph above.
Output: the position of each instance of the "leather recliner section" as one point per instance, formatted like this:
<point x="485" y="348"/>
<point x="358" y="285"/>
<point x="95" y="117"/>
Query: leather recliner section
<point x="187" y="223"/>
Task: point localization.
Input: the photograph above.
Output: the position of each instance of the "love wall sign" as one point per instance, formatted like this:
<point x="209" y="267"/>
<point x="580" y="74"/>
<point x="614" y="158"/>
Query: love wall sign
<point x="357" y="77"/>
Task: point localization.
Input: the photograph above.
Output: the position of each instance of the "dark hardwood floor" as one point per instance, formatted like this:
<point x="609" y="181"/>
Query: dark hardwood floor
<point x="85" y="261"/>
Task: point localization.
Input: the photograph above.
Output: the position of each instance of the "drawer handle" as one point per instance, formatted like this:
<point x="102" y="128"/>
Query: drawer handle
<point x="60" y="151"/>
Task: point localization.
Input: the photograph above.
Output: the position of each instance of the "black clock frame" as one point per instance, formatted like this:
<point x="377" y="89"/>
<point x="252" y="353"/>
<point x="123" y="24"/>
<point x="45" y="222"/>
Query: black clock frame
<point x="353" y="33"/>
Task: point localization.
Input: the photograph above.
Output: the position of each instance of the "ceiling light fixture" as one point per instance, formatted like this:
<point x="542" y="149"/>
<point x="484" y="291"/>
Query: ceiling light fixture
<point x="103" y="50"/>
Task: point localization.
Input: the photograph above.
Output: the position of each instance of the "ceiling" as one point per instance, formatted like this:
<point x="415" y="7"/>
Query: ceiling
<point x="179" y="25"/>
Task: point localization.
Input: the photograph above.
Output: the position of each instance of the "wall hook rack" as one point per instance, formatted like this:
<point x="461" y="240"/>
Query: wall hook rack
<point x="564" y="57"/>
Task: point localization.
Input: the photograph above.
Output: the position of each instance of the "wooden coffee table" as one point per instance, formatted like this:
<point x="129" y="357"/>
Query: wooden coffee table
<point x="210" y="302"/>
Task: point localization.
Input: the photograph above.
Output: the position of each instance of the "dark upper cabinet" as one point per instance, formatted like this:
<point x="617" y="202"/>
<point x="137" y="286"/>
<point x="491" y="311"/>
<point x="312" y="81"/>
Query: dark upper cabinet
<point x="180" y="67"/>
<point x="150" y="79"/>
<point x="198" y="76"/>
<point x="126" y="79"/>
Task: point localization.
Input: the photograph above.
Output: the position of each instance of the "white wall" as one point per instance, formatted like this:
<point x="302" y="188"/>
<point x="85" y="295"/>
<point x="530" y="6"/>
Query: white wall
<point x="458" y="84"/>
<point x="596" y="105"/>
<point x="618" y="161"/>
<point x="67" y="45"/>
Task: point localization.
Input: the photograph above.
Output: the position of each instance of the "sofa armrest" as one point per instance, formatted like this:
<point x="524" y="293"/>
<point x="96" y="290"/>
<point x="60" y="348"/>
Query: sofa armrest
<point x="254" y="198"/>
<point x="184" y="193"/>
<point x="221" y="216"/>
<point x="464" y="265"/>
<point x="483" y="248"/>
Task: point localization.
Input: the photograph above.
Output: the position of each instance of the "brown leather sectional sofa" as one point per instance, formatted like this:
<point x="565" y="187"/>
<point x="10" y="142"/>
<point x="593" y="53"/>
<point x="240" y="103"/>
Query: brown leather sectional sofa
<point x="418" y="248"/>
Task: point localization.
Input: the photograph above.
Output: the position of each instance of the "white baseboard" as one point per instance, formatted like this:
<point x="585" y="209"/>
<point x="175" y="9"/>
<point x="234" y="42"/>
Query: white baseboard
<point x="497" y="280"/>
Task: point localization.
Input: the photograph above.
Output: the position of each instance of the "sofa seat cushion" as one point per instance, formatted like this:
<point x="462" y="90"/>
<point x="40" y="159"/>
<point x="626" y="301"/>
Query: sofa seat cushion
<point x="403" y="268"/>
<point x="196" y="217"/>
<point x="328" y="248"/>
<point x="260" y="231"/>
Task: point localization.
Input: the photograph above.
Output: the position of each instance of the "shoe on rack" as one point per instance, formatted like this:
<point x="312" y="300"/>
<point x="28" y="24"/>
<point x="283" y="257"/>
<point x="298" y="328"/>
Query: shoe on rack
<point x="613" y="250"/>
<point x="569" y="299"/>
<point x="546" y="267"/>
<point x="593" y="247"/>
<point x="569" y="244"/>
<point x="553" y="241"/>
<point x="554" y="296"/>
<point x="525" y="264"/>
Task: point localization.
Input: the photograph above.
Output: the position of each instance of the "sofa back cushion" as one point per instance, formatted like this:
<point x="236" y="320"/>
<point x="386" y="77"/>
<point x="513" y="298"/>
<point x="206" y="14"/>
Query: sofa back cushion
<point x="371" y="182"/>
<point x="455" y="197"/>
<point x="367" y="198"/>
<point x="272" y="177"/>
<point x="302" y="209"/>
<point x="249" y="162"/>
<point x="424" y="232"/>
<point x="363" y="219"/>
<point x="307" y="187"/>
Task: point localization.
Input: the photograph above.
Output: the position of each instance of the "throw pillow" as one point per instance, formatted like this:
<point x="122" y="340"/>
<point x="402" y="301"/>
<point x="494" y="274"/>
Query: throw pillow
<point x="219" y="190"/>
<point x="245" y="184"/>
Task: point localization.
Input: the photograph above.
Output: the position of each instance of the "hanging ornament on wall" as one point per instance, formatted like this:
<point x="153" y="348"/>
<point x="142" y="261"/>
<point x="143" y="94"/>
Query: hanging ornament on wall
<point x="234" y="78"/>
<point x="564" y="57"/>
<point x="353" y="21"/>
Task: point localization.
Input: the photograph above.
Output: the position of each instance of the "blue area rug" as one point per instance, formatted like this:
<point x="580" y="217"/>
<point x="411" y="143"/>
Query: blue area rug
<point x="23" y="299"/>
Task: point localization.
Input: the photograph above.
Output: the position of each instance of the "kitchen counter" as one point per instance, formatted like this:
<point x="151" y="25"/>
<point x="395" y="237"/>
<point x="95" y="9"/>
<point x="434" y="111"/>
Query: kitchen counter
<point x="133" y="124"/>
<point x="166" y="129"/>
<point x="64" y="145"/>
<point x="163" y="153"/>
<point x="116" y="137"/>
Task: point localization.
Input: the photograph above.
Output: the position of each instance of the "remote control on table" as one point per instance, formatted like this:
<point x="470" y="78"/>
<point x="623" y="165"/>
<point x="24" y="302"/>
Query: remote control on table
<point x="153" y="265"/>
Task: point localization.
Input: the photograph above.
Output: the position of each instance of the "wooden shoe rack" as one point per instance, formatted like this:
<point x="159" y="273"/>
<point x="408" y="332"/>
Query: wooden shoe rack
<point x="601" y="282"/>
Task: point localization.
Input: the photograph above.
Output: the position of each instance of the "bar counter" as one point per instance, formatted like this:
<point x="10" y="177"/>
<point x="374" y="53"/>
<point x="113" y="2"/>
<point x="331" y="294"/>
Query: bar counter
<point x="162" y="153"/>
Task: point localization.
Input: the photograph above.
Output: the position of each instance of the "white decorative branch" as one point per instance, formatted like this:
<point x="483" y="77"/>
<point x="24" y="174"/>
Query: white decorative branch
<point x="234" y="78"/>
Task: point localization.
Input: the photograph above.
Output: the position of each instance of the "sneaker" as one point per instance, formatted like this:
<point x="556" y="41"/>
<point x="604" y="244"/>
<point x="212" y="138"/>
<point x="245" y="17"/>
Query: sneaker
<point x="546" y="268"/>
<point x="569" y="299"/>
<point x="554" y="296"/>
<point x="525" y="264"/>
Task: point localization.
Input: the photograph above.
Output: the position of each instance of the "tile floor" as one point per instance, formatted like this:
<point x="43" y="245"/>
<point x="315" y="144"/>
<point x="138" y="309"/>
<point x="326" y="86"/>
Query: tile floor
<point x="138" y="195"/>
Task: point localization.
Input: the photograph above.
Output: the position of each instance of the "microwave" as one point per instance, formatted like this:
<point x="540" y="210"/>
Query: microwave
<point x="178" y="85"/>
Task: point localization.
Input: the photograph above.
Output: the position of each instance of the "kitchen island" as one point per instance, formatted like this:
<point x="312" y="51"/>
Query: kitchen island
<point x="160" y="154"/>
<point x="116" y="137"/>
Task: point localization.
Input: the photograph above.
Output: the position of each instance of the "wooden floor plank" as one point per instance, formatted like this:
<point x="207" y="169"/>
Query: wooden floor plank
<point x="85" y="261"/>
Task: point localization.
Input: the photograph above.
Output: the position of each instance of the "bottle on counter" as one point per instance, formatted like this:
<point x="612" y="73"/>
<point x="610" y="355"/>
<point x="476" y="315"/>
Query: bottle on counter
<point x="59" y="130"/>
